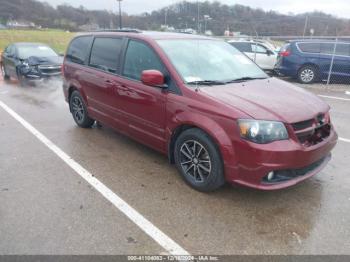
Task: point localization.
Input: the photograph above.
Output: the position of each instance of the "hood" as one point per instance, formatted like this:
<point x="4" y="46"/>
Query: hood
<point x="269" y="99"/>
<point x="52" y="60"/>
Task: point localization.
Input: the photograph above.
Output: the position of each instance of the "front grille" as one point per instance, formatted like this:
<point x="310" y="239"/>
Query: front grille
<point x="50" y="70"/>
<point x="313" y="131"/>
<point x="288" y="174"/>
<point x="303" y="124"/>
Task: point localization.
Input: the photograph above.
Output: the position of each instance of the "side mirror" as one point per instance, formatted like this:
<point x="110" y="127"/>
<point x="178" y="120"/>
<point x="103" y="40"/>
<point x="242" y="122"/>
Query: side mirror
<point x="152" y="78"/>
<point x="269" y="52"/>
<point x="61" y="54"/>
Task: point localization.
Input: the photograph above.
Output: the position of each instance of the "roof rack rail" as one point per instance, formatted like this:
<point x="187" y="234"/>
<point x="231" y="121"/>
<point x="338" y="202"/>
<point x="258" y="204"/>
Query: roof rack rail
<point x="123" y="30"/>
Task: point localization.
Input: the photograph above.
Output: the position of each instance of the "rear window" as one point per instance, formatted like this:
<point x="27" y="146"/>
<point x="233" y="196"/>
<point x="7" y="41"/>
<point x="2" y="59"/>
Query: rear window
<point x="310" y="47"/>
<point x="243" y="47"/>
<point x="79" y="49"/>
<point x="105" y="54"/>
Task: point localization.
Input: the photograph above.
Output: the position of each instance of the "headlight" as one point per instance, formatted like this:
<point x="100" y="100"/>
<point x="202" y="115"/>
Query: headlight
<point x="26" y="68"/>
<point x="262" y="132"/>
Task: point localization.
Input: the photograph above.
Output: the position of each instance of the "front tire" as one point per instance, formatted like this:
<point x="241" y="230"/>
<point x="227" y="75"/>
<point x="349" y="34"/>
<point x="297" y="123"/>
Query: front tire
<point x="79" y="111"/>
<point x="22" y="80"/>
<point x="5" y="76"/>
<point x="308" y="74"/>
<point x="198" y="160"/>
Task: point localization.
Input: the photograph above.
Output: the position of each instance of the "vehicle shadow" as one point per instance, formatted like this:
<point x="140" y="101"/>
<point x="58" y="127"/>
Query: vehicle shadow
<point x="279" y="221"/>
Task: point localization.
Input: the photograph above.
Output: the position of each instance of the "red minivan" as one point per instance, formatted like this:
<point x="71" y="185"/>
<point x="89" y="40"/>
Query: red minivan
<point x="215" y="114"/>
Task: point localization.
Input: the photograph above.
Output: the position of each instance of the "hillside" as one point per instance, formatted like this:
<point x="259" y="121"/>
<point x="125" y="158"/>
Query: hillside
<point x="181" y="15"/>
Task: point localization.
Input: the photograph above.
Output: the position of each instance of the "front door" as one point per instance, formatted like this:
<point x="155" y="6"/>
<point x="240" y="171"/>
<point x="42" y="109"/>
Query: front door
<point x="142" y="107"/>
<point x="263" y="57"/>
<point x="9" y="61"/>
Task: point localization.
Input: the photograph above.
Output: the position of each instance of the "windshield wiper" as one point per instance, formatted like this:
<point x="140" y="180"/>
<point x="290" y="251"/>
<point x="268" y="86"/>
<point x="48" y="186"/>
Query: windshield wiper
<point x="242" y="79"/>
<point x="206" y="82"/>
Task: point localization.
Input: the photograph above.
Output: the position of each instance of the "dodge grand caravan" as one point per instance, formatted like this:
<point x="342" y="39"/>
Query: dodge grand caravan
<point x="215" y="114"/>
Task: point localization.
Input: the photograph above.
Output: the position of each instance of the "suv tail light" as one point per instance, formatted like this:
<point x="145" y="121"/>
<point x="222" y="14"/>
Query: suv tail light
<point x="285" y="53"/>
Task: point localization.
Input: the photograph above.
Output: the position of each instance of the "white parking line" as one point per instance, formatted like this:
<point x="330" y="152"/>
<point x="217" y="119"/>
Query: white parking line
<point x="156" y="234"/>
<point x="335" y="97"/>
<point x="344" y="139"/>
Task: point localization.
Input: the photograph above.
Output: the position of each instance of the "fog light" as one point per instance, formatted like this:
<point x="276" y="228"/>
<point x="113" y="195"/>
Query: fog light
<point x="270" y="176"/>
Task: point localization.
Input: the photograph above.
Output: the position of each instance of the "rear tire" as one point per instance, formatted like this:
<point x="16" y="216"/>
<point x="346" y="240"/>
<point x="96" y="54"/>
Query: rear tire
<point x="308" y="74"/>
<point x="198" y="160"/>
<point x="79" y="111"/>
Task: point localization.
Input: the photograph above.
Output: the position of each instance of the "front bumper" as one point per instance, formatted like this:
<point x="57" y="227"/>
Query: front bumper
<point x="289" y="157"/>
<point x="38" y="73"/>
<point x="38" y="77"/>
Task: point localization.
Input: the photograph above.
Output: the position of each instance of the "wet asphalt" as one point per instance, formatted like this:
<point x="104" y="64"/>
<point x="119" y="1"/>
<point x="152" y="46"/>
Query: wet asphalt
<point x="46" y="208"/>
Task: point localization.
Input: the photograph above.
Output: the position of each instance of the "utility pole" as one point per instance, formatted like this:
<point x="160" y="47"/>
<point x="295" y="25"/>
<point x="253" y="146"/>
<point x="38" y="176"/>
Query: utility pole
<point x="207" y="18"/>
<point x="305" y="26"/>
<point x="198" y="26"/>
<point x="120" y="14"/>
<point x="165" y="17"/>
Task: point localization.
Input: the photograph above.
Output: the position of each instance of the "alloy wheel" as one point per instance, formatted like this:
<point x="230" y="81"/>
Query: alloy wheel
<point x="78" y="109"/>
<point x="307" y="75"/>
<point x="195" y="161"/>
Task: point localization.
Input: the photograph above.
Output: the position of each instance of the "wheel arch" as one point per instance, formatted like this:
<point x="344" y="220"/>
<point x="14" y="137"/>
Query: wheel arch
<point x="75" y="86"/>
<point x="309" y="64"/>
<point x="211" y="128"/>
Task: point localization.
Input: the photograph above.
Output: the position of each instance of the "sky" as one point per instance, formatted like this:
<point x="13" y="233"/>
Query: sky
<point x="340" y="8"/>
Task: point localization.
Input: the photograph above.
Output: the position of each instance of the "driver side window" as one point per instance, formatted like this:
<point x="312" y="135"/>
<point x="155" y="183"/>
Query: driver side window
<point x="9" y="50"/>
<point x="259" y="49"/>
<point x="140" y="57"/>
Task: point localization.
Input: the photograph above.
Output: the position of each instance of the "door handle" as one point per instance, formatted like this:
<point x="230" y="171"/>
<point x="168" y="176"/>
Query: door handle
<point x="123" y="87"/>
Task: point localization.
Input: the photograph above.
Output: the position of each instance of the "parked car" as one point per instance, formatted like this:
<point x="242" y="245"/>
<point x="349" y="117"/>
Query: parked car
<point x="29" y="62"/>
<point x="215" y="114"/>
<point x="310" y="60"/>
<point x="259" y="52"/>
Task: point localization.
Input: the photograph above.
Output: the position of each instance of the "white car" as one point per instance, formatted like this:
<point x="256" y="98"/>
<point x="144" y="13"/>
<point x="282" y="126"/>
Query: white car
<point x="259" y="52"/>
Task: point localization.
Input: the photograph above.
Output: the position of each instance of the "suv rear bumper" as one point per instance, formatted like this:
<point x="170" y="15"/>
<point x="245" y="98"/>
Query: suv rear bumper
<point x="293" y="162"/>
<point x="285" y="71"/>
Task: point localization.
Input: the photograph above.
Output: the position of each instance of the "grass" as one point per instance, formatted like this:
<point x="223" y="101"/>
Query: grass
<point x="57" y="39"/>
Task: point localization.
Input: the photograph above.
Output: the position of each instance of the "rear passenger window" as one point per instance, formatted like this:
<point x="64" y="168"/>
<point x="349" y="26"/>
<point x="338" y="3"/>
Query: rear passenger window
<point x="140" y="57"/>
<point x="310" y="47"/>
<point x="343" y="49"/>
<point x="105" y="54"/>
<point x="79" y="49"/>
<point x="327" y="48"/>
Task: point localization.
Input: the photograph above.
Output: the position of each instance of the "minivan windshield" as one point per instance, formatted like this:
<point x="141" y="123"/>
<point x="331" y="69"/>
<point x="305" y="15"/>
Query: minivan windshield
<point x="209" y="62"/>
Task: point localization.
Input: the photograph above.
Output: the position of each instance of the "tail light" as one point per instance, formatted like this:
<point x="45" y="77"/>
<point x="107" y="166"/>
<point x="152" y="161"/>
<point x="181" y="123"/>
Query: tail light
<point x="285" y="53"/>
